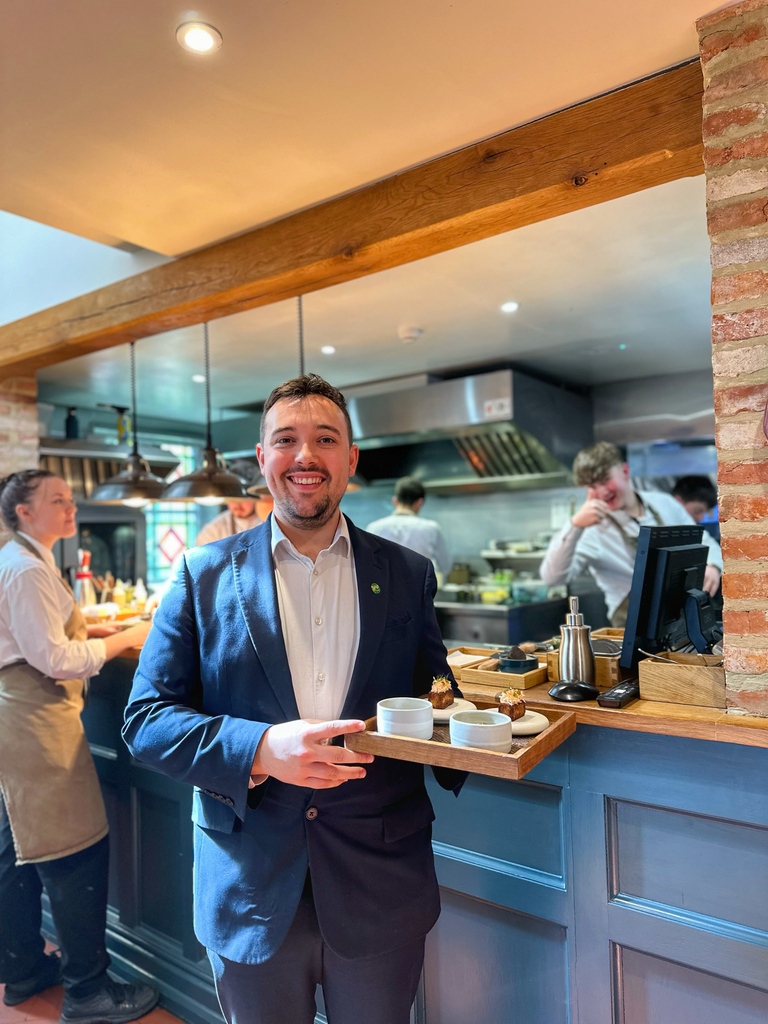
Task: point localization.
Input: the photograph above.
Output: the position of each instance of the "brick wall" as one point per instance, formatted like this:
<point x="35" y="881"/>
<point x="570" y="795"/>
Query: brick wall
<point x="19" y="441"/>
<point x="734" y="55"/>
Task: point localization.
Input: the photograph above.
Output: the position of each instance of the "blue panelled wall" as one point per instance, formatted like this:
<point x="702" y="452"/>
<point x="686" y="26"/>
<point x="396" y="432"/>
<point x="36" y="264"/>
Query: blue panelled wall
<point x="624" y="881"/>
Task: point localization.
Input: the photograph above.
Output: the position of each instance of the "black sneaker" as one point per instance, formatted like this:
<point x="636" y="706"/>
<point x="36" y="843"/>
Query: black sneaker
<point x="49" y="974"/>
<point x="113" y="1004"/>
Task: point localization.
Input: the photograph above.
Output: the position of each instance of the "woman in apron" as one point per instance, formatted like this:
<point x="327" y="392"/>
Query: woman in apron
<point x="53" y="826"/>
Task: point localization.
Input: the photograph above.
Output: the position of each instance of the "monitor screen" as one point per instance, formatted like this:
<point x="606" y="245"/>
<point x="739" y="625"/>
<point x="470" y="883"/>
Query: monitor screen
<point x="670" y="561"/>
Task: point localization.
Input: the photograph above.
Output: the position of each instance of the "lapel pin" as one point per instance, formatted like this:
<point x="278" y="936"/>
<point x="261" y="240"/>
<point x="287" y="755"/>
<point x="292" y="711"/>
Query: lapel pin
<point x="376" y="588"/>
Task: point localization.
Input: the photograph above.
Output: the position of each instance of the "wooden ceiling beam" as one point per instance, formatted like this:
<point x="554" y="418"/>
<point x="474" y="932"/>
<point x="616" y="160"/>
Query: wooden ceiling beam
<point x="642" y="135"/>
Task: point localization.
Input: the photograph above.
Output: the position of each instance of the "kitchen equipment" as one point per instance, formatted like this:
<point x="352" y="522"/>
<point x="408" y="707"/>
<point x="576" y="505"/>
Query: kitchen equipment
<point x="577" y="660"/>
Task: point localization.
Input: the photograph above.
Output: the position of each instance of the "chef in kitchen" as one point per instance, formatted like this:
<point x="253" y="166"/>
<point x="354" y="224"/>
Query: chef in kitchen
<point x="601" y="536"/>
<point x="243" y="513"/>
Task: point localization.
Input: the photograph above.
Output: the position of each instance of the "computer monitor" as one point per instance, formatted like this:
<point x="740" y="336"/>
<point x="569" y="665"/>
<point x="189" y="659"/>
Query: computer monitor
<point x="670" y="562"/>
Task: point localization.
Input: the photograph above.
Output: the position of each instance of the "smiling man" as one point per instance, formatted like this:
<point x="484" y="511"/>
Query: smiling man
<point x="602" y="535"/>
<point x="313" y="865"/>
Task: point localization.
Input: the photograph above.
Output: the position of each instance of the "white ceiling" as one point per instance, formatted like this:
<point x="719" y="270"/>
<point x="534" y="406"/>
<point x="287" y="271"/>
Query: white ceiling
<point x="110" y="131"/>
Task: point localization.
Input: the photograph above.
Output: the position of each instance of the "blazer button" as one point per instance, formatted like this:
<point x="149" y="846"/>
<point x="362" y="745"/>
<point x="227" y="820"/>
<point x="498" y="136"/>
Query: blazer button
<point x="311" y="813"/>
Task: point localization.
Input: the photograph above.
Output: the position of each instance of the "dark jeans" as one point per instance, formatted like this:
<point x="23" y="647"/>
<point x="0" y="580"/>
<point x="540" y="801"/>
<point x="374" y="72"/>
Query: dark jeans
<point x="372" y="990"/>
<point x="77" y="890"/>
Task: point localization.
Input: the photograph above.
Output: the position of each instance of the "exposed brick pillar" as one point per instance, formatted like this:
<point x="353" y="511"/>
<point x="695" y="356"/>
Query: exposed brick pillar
<point x="19" y="440"/>
<point x="734" y="55"/>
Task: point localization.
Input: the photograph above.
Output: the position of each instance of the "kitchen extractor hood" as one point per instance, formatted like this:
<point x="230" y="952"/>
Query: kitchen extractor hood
<point x="86" y="464"/>
<point x="501" y="430"/>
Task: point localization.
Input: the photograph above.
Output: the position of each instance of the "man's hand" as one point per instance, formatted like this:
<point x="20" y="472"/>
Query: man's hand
<point x="591" y="512"/>
<point x="711" y="579"/>
<point x="298" y="753"/>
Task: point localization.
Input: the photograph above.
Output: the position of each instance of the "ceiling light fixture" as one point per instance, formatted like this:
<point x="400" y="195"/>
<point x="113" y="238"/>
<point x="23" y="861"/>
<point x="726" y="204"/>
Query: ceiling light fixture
<point x="198" y="378"/>
<point x="328" y="350"/>
<point x="212" y="483"/>
<point x="197" y="37"/>
<point x="510" y="307"/>
<point x="136" y="484"/>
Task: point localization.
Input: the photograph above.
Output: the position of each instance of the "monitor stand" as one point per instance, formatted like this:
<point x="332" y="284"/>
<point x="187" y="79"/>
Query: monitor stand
<point x="702" y="624"/>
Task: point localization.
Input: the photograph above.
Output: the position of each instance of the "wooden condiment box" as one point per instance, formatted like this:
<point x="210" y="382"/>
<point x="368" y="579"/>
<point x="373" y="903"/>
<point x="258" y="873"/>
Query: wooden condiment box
<point x="482" y="681"/>
<point x="697" y="679"/>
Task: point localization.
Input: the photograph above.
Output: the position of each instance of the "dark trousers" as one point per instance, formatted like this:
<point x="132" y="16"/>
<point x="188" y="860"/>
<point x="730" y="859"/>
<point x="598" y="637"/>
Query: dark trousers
<point x="373" y="990"/>
<point x="77" y="891"/>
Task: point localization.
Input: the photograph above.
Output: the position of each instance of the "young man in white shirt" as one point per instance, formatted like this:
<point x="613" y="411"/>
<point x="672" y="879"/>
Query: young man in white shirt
<point x="601" y="536"/>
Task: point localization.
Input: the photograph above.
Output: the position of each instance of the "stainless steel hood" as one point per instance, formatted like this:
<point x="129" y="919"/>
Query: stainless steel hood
<point x="86" y="464"/>
<point x="491" y="431"/>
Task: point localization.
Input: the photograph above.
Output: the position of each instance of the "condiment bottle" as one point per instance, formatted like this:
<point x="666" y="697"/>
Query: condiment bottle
<point x="140" y="595"/>
<point x="85" y="592"/>
<point x="118" y="594"/>
<point x="577" y="659"/>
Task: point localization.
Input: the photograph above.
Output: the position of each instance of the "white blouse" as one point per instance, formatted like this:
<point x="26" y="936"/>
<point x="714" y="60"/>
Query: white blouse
<point x="35" y="606"/>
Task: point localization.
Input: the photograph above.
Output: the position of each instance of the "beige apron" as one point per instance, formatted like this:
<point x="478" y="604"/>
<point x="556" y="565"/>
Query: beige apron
<point x="619" y="617"/>
<point x="48" y="779"/>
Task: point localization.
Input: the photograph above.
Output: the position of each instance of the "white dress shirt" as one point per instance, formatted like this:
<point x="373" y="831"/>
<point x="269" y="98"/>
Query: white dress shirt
<point x="421" y="535"/>
<point x="35" y="606"/>
<point x="320" y="618"/>
<point x="606" y="550"/>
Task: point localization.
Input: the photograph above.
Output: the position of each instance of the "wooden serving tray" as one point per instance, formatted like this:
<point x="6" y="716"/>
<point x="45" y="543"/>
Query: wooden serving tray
<point x="525" y="754"/>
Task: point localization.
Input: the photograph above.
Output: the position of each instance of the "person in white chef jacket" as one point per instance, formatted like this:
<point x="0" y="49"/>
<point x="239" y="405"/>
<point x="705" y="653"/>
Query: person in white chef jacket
<point x="405" y="526"/>
<point x="601" y="536"/>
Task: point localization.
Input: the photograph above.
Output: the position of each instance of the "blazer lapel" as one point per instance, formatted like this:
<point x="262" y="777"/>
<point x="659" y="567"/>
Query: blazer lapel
<point x="257" y="595"/>
<point x="372" y="572"/>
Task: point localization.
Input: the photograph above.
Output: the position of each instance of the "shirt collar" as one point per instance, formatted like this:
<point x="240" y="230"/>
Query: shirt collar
<point x="404" y="512"/>
<point x="340" y="542"/>
<point x="45" y="553"/>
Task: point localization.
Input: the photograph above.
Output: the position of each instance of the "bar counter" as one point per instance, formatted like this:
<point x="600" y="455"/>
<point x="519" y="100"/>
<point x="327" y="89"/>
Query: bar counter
<point x="624" y="879"/>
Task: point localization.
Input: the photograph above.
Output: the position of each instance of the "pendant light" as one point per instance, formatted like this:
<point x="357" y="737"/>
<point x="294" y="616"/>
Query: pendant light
<point x="136" y="484"/>
<point x="212" y="483"/>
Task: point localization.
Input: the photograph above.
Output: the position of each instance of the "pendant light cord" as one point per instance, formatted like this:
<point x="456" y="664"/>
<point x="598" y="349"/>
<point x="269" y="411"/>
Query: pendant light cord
<point x="300" y="311"/>
<point x="207" y="389"/>
<point x="134" y="424"/>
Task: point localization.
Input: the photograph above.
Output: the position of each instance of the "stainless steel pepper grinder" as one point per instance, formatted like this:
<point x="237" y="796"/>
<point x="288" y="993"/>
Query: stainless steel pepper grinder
<point x="577" y="659"/>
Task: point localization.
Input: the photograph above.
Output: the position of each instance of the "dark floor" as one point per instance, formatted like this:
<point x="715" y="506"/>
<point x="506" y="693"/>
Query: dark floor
<point x="46" y="1006"/>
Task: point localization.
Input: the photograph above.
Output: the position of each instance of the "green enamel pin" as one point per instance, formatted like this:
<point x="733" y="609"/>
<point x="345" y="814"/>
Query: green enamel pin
<point x="376" y="588"/>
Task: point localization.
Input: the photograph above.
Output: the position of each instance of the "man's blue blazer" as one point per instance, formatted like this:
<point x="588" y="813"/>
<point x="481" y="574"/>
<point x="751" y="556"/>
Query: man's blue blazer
<point x="213" y="675"/>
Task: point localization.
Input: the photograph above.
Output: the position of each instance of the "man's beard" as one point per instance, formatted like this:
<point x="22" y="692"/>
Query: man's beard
<point x="324" y="510"/>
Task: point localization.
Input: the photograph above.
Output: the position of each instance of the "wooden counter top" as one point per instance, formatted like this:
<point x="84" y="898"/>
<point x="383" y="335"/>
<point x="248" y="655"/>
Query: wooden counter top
<point x="652" y="716"/>
<point x="686" y="720"/>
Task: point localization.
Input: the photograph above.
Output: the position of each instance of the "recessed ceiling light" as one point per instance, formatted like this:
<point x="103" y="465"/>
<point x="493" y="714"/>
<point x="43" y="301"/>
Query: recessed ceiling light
<point x="622" y="346"/>
<point x="198" y="378"/>
<point x="197" y="37"/>
<point x="510" y="307"/>
<point x="328" y="350"/>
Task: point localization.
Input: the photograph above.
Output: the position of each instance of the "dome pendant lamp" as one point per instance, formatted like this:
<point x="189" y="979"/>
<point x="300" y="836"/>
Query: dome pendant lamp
<point x="136" y="484"/>
<point x="212" y="483"/>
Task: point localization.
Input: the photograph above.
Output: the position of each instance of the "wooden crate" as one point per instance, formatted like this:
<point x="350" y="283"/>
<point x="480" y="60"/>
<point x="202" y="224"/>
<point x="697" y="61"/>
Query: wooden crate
<point x="526" y="753"/>
<point x="481" y="681"/>
<point x="697" y="679"/>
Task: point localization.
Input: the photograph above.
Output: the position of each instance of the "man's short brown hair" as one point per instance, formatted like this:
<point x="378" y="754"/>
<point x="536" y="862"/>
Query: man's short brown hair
<point x="308" y="386"/>
<point x="592" y="465"/>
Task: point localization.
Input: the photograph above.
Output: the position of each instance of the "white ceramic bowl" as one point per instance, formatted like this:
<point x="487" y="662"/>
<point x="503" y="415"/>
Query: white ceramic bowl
<point x="405" y="716"/>
<point x="488" y="730"/>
